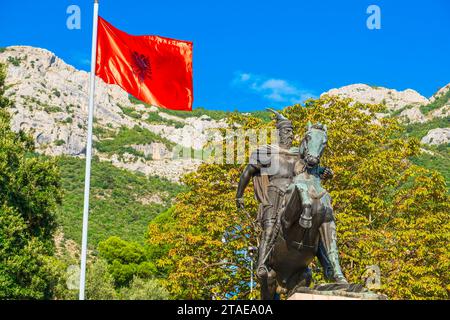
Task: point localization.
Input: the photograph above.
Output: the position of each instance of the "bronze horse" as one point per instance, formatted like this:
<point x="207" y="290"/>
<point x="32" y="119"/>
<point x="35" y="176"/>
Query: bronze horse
<point x="305" y="216"/>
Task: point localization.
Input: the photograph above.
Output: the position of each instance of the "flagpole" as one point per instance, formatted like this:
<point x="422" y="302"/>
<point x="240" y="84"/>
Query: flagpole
<point x="87" y="178"/>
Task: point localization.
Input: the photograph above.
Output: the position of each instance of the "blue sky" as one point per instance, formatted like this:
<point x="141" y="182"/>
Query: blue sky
<point x="251" y="54"/>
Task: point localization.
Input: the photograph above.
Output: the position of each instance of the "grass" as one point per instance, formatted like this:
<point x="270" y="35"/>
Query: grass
<point x="52" y="109"/>
<point x="440" y="161"/>
<point x="67" y="120"/>
<point x="438" y="103"/>
<point x="115" y="208"/>
<point x="59" y="142"/>
<point x="199" y="111"/>
<point x="103" y="133"/>
<point x="420" y="130"/>
<point x="121" y="142"/>
<point x="130" y="112"/>
<point x="397" y="112"/>
<point x="153" y="117"/>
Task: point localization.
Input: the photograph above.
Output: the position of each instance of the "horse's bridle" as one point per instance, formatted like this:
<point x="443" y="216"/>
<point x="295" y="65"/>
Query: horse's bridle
<point x="305" y="151"/>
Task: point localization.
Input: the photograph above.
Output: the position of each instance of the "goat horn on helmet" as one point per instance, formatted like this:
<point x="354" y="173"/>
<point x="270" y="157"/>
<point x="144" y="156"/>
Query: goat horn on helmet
<point x="282" y="121"/>
<point x="279" y="116"/>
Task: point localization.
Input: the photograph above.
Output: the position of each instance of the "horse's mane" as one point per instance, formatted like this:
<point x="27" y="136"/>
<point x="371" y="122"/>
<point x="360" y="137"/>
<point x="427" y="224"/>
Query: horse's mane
<point x="318" y="126"/>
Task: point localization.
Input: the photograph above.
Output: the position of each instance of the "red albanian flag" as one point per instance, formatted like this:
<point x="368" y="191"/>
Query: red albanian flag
<point x="153" y="69"/>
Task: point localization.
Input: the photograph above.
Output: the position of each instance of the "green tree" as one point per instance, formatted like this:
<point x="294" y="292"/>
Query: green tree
<point x="29" y="193"/>
<point x="144" y="289"/>
<point x="127" y="259"/>
<point x="99" y="282"/>
<point x="205" y="235"/>
<point x="389" y="212"/>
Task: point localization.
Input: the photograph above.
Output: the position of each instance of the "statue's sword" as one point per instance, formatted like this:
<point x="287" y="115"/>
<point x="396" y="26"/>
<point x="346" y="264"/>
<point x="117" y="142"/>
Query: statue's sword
<point x="274" y="236"/>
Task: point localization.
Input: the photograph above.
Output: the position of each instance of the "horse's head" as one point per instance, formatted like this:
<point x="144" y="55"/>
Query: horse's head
<point x="313" y="144"/>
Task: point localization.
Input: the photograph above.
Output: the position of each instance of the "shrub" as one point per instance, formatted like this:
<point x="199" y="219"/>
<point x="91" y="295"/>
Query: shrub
<point x="15" y="61"/>
<point x="59" y="142"/>
<point x="144" y="289"/>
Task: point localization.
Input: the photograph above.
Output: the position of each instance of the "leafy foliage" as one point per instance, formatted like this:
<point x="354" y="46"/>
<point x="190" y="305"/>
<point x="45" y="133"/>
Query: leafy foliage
<point x="438" y="157"/>
<point x="52" y="109"/>
<point x="206" y="236"/>
<point x="389" y="212"/>
<point x="128" y="260"/>
<point x="397" y="112"/>
<point x="29" y="194"/>
<point x="131" y="112"/>
<point x="144" y="289"/>
<point x="203" y="265"/>
<point x="197" y="112"/>
<point x="380" y="200"/>
<point x="101" y="283"/>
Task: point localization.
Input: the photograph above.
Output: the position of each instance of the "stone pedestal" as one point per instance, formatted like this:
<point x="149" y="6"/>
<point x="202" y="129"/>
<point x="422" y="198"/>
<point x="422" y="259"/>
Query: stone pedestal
<point x="335" y="292"/>
<point x="311" y="296"/>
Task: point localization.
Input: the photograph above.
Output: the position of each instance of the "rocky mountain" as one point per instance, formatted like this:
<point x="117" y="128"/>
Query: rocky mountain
<point x="50" y="101"/>
<point x="437" y="136"/>
<point x="393" y="99"/>
<point x="409" y="105"/>
<point x="442" y="100"/>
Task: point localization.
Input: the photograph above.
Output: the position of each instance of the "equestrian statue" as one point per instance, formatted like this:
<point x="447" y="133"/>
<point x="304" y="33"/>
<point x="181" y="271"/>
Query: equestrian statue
<point x="295" y="212"/>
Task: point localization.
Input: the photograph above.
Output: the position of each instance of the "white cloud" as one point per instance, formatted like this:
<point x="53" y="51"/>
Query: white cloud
<point x="275" y="90"/>
<point x="245" y="76"/>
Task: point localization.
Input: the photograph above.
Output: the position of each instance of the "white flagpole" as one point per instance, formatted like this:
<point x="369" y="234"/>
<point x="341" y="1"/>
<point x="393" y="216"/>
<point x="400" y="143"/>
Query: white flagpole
<point x="87" y="179"/>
